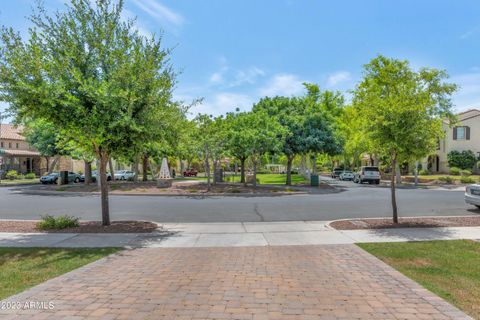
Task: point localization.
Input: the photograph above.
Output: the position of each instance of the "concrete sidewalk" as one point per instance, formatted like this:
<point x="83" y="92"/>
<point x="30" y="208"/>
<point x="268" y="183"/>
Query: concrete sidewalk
<point x="237" y="235"/>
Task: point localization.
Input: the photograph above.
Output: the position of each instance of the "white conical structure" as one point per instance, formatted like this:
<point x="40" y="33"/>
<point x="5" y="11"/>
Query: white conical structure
<point x="164" y="171"/>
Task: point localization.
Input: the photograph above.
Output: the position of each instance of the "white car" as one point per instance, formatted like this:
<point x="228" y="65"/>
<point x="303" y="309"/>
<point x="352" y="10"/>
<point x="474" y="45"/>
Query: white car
<point x="124" y="175"/>
<point x="367" y="174"/>
<point x="346" y="175"/>
<point x="472" y="195"/>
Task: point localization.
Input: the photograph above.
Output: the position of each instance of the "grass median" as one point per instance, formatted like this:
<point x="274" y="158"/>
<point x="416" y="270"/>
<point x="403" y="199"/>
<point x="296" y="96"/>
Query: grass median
<point x="22" y="268"/>
<point x="450" y="269"/>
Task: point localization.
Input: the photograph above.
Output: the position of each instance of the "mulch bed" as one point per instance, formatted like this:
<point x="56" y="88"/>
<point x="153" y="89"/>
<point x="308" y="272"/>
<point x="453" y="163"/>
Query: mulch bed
<point x="85" y="227"/>
<point x="433" y="222"/>
<point x="178" y="188"/>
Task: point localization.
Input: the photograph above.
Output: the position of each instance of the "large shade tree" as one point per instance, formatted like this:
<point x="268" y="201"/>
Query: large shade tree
<point x="401" y="111"/>
<point x="90" y="74"/>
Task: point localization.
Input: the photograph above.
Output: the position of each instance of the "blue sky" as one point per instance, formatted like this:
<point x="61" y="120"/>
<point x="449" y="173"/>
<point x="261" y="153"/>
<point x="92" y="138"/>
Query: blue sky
<point x="231" y="53"/>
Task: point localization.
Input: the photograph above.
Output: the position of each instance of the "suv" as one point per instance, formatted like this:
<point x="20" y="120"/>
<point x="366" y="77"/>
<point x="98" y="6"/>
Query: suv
<point x="336" y="172"/>
<point x="367" y="174"/>
<point x="190" y="173"/>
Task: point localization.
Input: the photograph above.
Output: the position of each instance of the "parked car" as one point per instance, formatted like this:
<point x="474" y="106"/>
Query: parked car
<point x="367" y="174"/>
<point x="124" y="175"/>
<point x="472" y="195"/>
<point x="94" y="176"/>
<point x="190" y="173"/>
<point x="54" y="176"/>
<point x="50" y="178"/>
<point x="336" y="172"/>
<point x="346" y="175"/>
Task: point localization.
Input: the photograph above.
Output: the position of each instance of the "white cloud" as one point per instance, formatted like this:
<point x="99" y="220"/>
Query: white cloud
<point x="468" y="94"/>
<point x="216" y="77"/>
<point x="157" y="10"/>
<point x="470" y="33"/>
<point x="338" y="77"/>
<point x="248" y="76"/>
<point x="284" y="85"/>
<point x="224" y="102"/>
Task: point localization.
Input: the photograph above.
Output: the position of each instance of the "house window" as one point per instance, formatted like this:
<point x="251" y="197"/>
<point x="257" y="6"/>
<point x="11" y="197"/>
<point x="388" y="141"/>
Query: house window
<point x="461" y="133"/>
<point x="9" y="145"/>
<point x="1" y="145"/>
<point x="17" y="145"/>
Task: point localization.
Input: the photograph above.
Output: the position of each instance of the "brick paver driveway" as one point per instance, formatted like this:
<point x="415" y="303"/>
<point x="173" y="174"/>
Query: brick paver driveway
<point x="292" y="282"/>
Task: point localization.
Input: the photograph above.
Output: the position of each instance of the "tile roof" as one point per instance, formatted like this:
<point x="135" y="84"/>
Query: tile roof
<point x="15" y="152"/>
<point x="11" y="132"/>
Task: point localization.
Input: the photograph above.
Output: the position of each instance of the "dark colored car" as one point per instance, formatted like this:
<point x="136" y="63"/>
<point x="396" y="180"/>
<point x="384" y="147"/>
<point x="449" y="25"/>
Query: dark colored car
<point x="94" y="176"/>
<point x="336" y="172"/>
<point x="190" y="173"/>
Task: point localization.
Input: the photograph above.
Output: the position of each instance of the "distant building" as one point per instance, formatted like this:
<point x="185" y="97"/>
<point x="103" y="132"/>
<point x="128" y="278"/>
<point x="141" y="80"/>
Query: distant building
<point x="16" y="153"/>
<point x="464" y="136"/>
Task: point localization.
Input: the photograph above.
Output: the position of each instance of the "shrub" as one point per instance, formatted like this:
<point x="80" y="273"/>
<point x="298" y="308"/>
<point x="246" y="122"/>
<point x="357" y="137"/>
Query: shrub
<point x="447" y="179"/>
<point x="466" y="179"/>
<point x="11" y="175"/>
<point x="463" y="160"/>
<point x="49" y="222"/>
<point x="423" y="172"/>
<point x="30" y="175"/>
<point x="455" y="171"/>
<point x="466" y="172"/>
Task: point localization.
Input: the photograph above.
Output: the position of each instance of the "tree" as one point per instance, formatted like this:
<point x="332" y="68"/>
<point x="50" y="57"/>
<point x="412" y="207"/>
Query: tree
<point x="289" y="113"/>
<point x="44" y="138"/>
<point x="91" y="75"/>
<point x="260" y="136"/>
<point x="401" y="111"/>
<point x="237" y="139"/>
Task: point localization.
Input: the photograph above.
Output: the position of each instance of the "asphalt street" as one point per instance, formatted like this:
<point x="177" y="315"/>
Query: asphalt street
<point x="353" y="201"/>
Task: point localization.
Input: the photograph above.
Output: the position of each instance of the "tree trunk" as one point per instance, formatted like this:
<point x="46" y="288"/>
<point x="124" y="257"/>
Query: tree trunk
<point x="99" y="181"/>
<point x="289" y="170"/>
<point x="392" y="189"/>
<point x="242" y="170"/>
<point x="47" y="160"/>
<point x="254" y="162"/>
<point x="207" y="170"/>
<point x="398" y="174"/>
<point x="215" y="163"/>
<point x="104" y="187"/>
<point x="110" y="165"/>
<point x="135" y="170"/>
<point x="88" y="172"/>
<point x="145" y="168"/>
<point x="182" y="168"/>
<point x="315" y="163"/>
<point x="53" y="164"/>
<point x="416" y="173"/>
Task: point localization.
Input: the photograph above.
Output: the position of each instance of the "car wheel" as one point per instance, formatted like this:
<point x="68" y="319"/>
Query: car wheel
<point x="377" y="182"/>
<point x="478" y="207"/>
<point x="77" y="180"/>
<point x="109" y="178"/>
<point x="122" y="178"/>
<point x="55" y="181"/>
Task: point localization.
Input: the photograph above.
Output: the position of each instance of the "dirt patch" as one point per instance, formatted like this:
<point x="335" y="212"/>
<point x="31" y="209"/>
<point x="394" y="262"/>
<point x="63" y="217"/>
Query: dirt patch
<point x="359" y="224"/>
<point x="84" y="227"/>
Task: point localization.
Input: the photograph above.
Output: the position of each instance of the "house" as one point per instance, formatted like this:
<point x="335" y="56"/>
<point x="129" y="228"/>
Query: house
<point x="16" y="153"/>
<point x="464" y="136"/>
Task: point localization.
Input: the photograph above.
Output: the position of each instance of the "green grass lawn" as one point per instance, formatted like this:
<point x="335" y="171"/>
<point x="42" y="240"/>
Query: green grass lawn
<point x="20" y="181"/>
<point x="450" y="269"/>
<point x="273" y="178"/>
<point x="437" y="176"/>
<point x="22" y="268"/>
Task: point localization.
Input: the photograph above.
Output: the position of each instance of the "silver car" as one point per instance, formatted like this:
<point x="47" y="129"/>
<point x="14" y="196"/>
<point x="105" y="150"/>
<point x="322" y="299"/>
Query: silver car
<point x="346" y="175"/>
<point x="472" y="195"/>
<point x="124" y="175"/>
